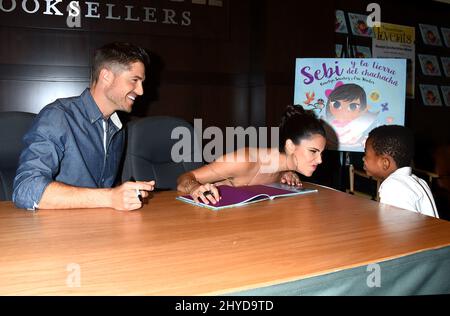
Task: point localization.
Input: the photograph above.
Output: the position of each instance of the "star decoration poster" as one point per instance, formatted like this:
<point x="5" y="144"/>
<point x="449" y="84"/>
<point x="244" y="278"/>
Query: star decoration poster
<point x="352" y="96"/>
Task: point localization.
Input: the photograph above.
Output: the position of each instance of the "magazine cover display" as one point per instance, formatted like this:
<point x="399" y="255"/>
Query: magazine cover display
<point x="352" y="96"/>
<point x="446" y="35"/>
<point x="446" y="94"/>
<point x="430" y="94"/>
<point x="446" y="65"/>
<point x="429" y="65"/>
<point x="358" y="24"/>
<point x="430" y="34"/>
<point x="340" y="24"/>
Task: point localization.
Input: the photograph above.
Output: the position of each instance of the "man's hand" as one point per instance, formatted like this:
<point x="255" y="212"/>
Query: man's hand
<point x="291" y="178"/>
<point x="125" y="196"/>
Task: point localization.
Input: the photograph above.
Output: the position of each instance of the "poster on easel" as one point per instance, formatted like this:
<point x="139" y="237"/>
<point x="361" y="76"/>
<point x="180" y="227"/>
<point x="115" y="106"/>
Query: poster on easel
<point x="352" y="96"/>
<point x="397" y="41"/>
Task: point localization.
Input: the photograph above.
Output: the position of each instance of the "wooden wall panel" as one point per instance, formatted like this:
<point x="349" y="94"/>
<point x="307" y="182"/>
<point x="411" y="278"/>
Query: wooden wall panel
<point x="32" y="96"/>
<point x="213" y="104"/>
<point x="294" y="29"/>
<point x="26" y="46"/>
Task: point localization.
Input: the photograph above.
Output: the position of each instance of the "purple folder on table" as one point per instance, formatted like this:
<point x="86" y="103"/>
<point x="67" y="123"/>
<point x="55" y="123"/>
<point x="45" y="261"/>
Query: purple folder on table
<point x="239" y="196"/>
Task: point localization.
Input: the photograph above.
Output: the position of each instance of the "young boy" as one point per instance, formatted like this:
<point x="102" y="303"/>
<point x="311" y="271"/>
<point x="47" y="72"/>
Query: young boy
<point x="388" y="155"/>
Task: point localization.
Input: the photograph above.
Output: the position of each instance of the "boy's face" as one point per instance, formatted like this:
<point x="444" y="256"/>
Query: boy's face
<point x="373" y="163"/>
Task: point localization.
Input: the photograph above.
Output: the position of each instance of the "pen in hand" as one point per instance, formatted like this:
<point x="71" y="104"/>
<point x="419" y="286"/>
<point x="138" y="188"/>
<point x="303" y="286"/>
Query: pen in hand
<point x="138" y="193"/>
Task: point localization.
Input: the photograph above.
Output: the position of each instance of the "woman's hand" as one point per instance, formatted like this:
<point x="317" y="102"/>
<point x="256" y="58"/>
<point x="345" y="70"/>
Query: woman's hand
<point x="206" y="193"/>
<point x="291" y="178"/>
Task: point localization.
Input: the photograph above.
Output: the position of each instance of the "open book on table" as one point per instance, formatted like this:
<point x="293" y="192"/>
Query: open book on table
<point x="239" y="196"/>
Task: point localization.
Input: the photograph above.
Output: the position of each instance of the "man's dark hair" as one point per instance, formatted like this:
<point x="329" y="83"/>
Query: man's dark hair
<point x="117" y="55"/>
<point x="393" y="140"/>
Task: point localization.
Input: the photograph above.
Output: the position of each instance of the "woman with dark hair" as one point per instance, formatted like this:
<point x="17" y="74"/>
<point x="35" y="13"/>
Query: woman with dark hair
<point x="302" y="140"/>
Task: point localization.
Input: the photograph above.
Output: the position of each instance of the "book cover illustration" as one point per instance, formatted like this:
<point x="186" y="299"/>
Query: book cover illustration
<point x="430" y="34"/>
<point x="358" y="24"/>
<point x="362" y="51"/>
<point x="446" y="94"/>
<point x="239" y="196"/>
<point x="430" y="94"/>
<point x="429" y="65"/>
<point x="352" y="96"/>
<point x="340" y="24"/>
<point x="446" y="65"/>
<point x="446" y="35"/>
<point x="338" y="50"/>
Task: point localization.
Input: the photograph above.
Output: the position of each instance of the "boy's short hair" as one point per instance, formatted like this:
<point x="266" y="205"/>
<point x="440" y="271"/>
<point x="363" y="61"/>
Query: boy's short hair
<point x="117" y="55"/>
<point x="393" y="140"/>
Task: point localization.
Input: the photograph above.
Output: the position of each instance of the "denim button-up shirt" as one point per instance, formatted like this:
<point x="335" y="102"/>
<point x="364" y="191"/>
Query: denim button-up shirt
<point x="69" y="142"/>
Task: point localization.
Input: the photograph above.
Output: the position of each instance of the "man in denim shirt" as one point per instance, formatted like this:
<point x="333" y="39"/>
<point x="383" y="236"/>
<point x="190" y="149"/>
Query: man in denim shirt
<point x="73" y="150"/>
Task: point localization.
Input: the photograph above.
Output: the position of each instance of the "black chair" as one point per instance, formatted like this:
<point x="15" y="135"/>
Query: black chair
<point x="149" y="151"/>
<point x="13" y="126"/>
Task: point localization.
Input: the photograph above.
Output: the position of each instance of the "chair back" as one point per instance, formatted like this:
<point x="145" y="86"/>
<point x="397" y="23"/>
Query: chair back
<point x="149" y="151"/>
<point x="13" y="126"/>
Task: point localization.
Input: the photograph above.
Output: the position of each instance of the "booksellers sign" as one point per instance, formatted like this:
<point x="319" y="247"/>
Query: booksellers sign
<point x="352" y="96"/>
<point x="161" y="17"/>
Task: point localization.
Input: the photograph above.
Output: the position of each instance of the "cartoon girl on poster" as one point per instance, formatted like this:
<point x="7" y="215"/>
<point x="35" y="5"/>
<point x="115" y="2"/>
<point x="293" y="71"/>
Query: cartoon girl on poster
<point x="347" y="113"/>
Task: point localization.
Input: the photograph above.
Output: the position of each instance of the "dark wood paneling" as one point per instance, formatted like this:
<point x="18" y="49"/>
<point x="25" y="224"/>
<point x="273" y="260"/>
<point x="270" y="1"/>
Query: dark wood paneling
<point x="295" y="29"/>
<point x="43" y="73"/>
<point x="27" y="46"/>
<point x="31" y="96"/>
